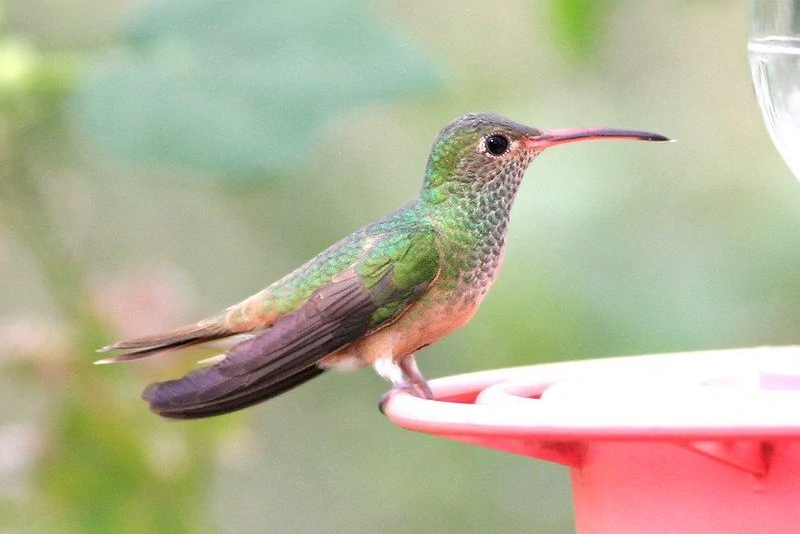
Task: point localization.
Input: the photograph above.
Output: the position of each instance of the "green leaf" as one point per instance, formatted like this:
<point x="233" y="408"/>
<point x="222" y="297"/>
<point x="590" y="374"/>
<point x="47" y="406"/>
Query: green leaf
<point x="240" y="86"/>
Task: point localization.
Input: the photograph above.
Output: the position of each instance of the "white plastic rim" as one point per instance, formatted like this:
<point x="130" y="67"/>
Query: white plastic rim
<point x="737" y="393"/>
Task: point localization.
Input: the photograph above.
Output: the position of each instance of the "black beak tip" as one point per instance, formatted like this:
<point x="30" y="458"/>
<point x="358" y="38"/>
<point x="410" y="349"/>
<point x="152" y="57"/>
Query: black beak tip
<point x="659" y="137"/>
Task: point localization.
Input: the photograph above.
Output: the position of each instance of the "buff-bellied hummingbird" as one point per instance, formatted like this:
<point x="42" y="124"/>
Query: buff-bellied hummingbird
<point x="375" y="297"/>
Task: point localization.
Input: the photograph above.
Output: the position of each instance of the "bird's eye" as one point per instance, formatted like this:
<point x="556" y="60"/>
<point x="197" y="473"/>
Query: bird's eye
<point x="497" y="145"/>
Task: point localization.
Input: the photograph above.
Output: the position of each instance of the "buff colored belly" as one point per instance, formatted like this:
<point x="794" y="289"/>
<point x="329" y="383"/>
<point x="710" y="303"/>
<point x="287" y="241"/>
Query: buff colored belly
<point x="424" y="323"/>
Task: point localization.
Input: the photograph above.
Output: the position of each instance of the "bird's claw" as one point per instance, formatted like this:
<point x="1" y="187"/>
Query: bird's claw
<point x="420" y="392"/>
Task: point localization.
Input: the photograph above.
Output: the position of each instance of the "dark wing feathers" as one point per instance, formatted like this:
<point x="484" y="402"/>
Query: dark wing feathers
<point x="245" y="397"/>
<point x="274" y="361"/>
<point x="286" y="354"/>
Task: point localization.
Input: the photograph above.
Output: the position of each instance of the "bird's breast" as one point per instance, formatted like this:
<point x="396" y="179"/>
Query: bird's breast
<point x="471" y="253"/>
<point x="425" y="322"/>
<point x="450" y="303"/>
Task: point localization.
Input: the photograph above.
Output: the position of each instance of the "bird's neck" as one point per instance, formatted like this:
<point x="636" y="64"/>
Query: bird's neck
<point x="473" y="212"/>
<point x="471" y="221"/>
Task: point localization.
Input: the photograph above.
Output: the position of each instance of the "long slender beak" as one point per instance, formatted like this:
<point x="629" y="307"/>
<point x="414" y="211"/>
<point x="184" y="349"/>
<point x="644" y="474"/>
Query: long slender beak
<point x="549" y="138"/>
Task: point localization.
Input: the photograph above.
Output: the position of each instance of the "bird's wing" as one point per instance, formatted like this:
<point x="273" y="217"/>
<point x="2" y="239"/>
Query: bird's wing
<point x="262" y="310"/>
<point x="369" y="294"/>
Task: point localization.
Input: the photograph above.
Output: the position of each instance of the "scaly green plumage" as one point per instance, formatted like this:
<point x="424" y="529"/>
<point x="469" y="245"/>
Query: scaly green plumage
<point x="379" y="295"/>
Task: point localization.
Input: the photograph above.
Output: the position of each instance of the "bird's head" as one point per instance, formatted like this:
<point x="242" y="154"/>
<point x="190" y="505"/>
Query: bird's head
<point x="483" y="150"/>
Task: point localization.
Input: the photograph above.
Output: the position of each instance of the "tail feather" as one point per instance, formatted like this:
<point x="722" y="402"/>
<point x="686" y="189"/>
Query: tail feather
<point x="145" y="346"/>
<point x="191" y="397"/>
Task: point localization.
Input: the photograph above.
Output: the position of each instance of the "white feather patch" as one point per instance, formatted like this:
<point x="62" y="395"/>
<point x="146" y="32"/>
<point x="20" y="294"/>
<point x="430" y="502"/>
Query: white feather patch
<point x="213" y="360"/>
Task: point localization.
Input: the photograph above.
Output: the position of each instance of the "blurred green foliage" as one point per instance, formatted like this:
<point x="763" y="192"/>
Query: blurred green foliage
<point x="613" y="248"/>
<point x="580" y="24"/>
<point x="97" y="474"/>
<point x="210" y="85"/>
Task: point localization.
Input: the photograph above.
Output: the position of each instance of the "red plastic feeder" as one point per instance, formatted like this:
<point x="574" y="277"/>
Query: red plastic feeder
<point x="699" y="442"/>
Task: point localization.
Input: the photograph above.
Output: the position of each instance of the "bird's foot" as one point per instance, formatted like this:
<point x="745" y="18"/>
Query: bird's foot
<point x="404" y="376"/>
<point x="423" y="387"/>
<point x="421" y="391"/>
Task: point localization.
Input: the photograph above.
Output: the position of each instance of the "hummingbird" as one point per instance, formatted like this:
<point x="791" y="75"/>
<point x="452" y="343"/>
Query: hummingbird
<point x="377" y="296"/>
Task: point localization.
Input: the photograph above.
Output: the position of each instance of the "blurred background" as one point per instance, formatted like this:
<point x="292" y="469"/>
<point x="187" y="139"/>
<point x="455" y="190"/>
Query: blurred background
<point x="160" y="160"/>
